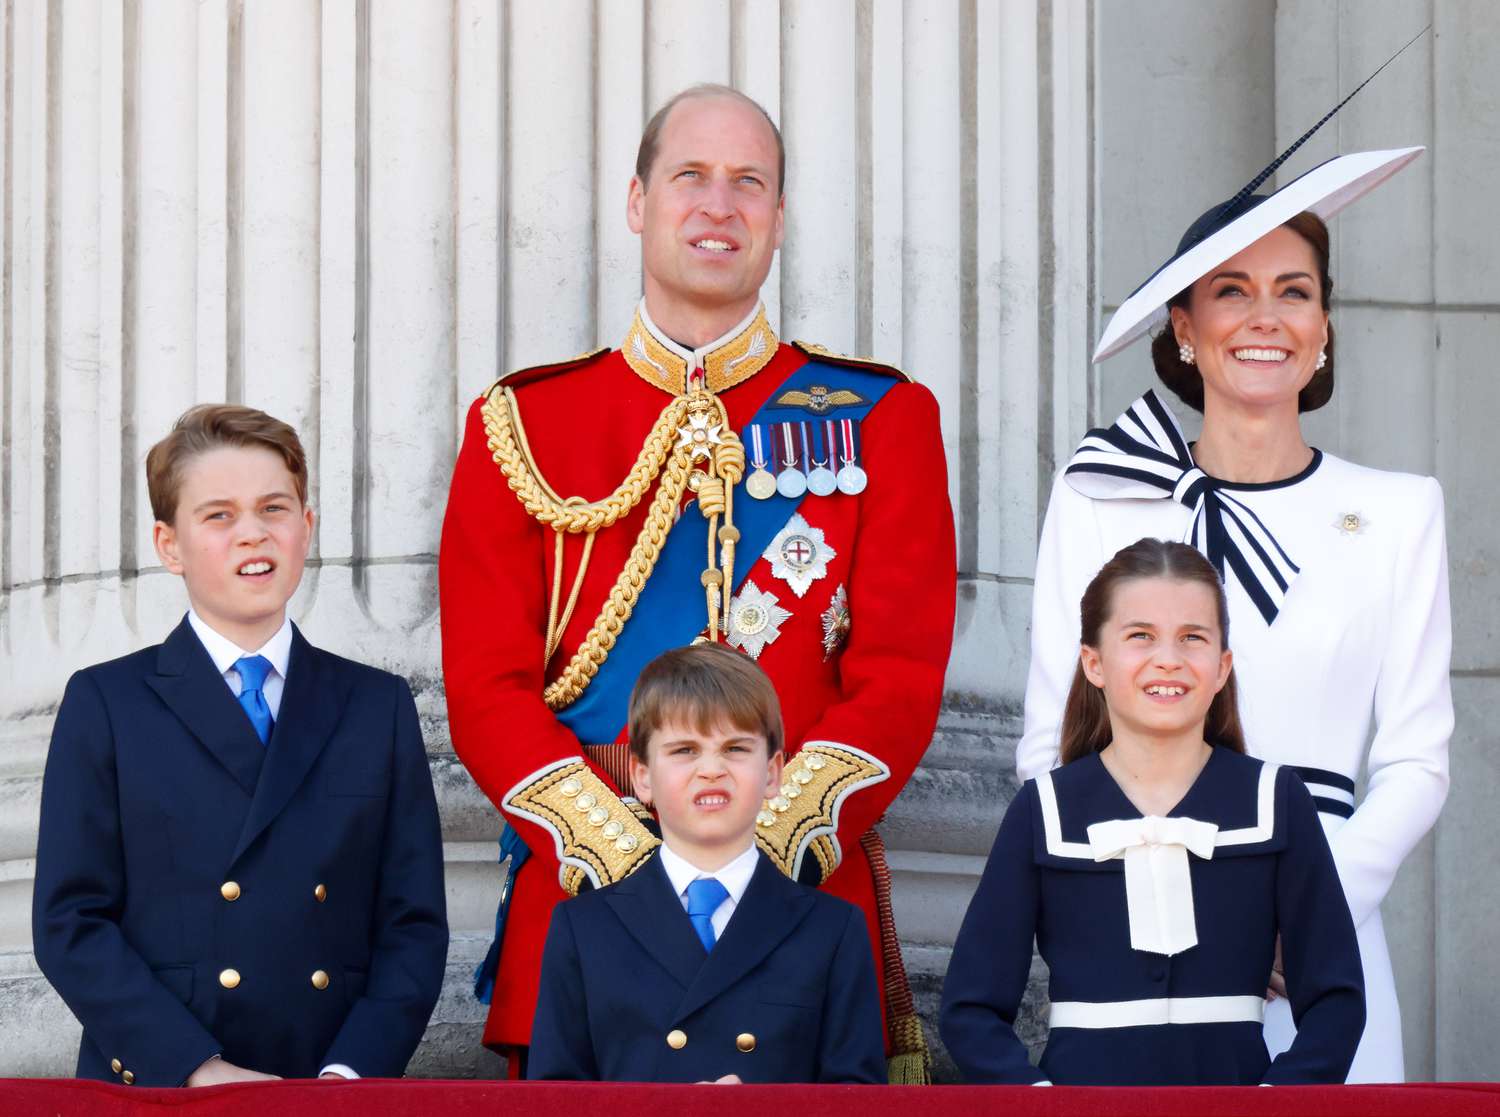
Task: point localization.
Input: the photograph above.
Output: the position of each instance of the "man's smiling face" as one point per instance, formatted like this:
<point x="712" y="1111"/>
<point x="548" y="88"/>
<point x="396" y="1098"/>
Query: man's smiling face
<point x="710" y="212"/>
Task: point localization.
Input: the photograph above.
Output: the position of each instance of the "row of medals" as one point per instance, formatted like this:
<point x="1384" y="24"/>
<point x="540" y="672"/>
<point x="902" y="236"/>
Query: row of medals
<point x="793" y="483"/>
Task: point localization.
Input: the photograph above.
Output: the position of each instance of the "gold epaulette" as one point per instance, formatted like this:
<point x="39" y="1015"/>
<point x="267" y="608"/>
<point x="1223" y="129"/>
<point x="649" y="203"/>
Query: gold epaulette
<point x="600" y="837"/>
<point x="516" y="377"/>
<point x="802" y="819"/>
<point x="869" y="364"/>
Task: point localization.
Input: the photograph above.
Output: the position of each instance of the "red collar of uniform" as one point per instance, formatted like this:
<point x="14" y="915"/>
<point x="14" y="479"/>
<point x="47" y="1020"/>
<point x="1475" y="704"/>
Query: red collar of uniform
<point x="724" y="362"/>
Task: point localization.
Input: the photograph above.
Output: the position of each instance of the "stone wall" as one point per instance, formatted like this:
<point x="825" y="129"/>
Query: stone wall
<point x="355" y="213"/>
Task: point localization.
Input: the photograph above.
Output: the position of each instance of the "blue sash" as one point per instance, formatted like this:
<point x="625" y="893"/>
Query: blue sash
<point x="671" y="609"/>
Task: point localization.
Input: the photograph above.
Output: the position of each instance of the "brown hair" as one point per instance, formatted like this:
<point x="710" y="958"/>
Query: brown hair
<point x="1085" y="725"/>
<point x="645" y="155"/>
<point x="1186" y="381"/>
<point x="708" y="685"/>
<point x="208" y="427"/>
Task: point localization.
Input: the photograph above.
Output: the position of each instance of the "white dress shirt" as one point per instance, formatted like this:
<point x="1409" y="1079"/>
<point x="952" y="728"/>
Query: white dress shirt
<point x="735" y="877"/>
<point x="225" y="652"/>
<point x="278" y="650"/>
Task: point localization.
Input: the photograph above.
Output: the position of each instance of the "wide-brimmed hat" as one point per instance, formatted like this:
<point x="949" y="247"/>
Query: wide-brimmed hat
<point x="1230" y="227"/>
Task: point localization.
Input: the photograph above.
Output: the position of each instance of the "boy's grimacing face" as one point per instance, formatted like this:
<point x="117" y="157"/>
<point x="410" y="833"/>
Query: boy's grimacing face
<point x="239" y="540"/>
<point x="707" y="787"/>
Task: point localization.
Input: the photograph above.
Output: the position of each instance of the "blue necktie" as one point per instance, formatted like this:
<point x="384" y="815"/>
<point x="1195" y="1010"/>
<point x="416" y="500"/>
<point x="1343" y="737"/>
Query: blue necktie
<point x="253" y="670"/>
<point x="704" y="896"/>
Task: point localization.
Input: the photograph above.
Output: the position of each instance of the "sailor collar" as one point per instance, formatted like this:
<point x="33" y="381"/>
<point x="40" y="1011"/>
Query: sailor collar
<point x="721" y="364"/>
<point x="1236" y="793"/>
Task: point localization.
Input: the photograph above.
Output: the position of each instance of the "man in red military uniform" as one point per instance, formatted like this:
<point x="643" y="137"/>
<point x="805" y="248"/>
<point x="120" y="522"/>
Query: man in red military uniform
<point x="602" y="507"/>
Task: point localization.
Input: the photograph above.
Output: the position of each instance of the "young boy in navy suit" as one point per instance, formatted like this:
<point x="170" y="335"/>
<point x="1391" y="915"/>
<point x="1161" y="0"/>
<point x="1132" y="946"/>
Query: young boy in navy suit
<point x="707" y="964"/>
<point x="239" y="870"/>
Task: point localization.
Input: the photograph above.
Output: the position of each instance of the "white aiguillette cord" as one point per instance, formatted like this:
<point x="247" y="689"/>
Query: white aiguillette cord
<point x="1158" y="883"/>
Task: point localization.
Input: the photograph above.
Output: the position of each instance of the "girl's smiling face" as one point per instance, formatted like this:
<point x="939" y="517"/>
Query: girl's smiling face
<point x="1257" y="323"/>
<point x="1160" y="657"/>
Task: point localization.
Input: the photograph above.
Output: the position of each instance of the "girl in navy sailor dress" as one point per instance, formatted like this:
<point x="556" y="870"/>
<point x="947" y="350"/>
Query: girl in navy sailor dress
<point x="1159" y="925"/>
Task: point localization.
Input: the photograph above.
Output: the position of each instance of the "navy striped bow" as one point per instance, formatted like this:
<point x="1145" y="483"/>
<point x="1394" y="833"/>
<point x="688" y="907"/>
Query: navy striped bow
<point x="1145" y="456"/>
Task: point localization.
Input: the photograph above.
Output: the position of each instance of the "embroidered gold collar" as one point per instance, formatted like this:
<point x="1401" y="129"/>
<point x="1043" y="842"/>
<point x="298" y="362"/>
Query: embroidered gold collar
<point x="730" y="360"/>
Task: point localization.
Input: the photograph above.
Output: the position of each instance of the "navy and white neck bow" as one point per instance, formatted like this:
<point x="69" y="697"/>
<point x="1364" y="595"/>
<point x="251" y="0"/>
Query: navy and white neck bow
<point x="1145" y="455"/>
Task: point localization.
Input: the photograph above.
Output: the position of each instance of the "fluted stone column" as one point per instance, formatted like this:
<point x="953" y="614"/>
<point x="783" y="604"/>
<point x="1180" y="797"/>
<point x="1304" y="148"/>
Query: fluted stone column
<point x="356" y="213"/>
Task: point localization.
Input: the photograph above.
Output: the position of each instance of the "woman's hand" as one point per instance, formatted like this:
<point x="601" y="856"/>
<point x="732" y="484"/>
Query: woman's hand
<point x="1277" y="985"/>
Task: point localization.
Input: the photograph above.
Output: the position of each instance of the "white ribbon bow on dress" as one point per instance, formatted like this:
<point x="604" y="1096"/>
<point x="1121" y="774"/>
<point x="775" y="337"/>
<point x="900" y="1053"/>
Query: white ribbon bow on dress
<point x="1158" y="884"/>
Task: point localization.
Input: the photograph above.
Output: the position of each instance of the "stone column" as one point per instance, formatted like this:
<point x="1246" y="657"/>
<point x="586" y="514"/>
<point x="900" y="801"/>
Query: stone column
<point x="356" y="213"/>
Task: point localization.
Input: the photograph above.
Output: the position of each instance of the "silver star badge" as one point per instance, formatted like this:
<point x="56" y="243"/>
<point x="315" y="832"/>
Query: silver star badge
<point x="755" y="620"/>
<point x="799" y="555"/>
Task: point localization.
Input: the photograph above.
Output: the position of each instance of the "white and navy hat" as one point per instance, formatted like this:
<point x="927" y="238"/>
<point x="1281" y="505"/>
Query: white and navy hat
<point x="1232" y="226"/>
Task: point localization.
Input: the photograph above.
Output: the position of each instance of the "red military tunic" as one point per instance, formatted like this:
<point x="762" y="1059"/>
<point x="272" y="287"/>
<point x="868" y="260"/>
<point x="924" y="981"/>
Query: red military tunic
<point x="878" y="692"/>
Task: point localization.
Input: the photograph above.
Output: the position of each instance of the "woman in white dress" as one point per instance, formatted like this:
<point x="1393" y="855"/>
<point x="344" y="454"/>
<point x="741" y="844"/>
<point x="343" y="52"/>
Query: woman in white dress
<point x="1336" y="574"/>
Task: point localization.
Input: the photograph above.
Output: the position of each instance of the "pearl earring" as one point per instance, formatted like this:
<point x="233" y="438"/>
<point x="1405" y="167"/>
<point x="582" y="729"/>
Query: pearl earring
<point x="1322" y="360"/>
<point x="1185" y="353"/>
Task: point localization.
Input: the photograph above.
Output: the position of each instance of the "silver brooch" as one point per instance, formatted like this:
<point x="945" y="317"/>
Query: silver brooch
<point x="1351" y="523"/>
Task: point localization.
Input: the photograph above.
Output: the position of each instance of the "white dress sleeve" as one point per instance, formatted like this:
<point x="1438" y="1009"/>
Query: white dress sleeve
<point x="1068" y="557"/>
<point x="1408" y="758"/>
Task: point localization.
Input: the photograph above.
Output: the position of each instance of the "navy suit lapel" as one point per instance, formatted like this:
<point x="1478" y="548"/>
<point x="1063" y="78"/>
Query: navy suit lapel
<point x="311" y="706"/>
<point x="653" y="914"/>
<point x="769" y="911"/>
<point x="196" y="693"/>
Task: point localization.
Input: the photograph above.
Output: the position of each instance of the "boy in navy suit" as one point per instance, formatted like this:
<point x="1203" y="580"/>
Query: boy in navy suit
<point x="239" y="870"/>
<point x="707" y="964"/>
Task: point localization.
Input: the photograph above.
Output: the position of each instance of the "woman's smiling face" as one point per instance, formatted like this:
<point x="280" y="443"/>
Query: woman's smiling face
<point x="1257" y="324"/>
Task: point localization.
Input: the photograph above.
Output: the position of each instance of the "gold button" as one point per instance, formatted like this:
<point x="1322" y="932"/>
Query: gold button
<point x="320" y="893"/>
<point x="128" y="1078"/>
<point x="626" y="843"/>
<point x="765" y="818"/>
<point x="319" y="979"/>
<point x="676" y="1039"/>
<point x="585" y="802"/>
<point x="745" y="1042"/>
<point x="802" y="775"/>
<point x="570" y="786"/>
<point x="230" y="891"/>
<point x="613" y="830"/>
<point x="815" y="762"/>
<point x="780" y="804"/>
<point x="114" y="1065"/>
<point x="598" y="816"/>
<point x="229" y="978"/>
<point x="791" y="790"/>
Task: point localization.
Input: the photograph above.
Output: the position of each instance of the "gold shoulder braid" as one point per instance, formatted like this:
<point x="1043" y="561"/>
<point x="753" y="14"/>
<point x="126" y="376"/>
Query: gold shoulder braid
<point x="691" y="446"/>
<point x="799" y="821"/>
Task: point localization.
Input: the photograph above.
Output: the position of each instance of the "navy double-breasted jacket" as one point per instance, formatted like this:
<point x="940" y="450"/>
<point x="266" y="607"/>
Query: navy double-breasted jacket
<point x="198" y="893"/>
<point x="786" y="995"/>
